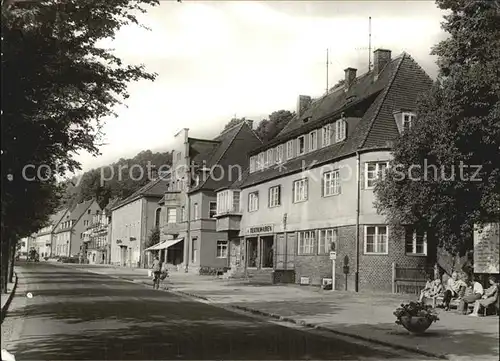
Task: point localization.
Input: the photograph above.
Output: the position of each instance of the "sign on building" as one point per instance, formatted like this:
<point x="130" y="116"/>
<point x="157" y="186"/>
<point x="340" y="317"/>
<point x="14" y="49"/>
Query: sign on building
<point x="267" y="228"/>
<point x="486" y="248"/>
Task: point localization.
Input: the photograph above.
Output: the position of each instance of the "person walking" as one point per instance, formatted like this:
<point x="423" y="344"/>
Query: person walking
<point x="157" y="264"/>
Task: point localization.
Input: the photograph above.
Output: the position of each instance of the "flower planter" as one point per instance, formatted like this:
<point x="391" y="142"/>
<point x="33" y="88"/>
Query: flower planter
<point x="416" y="324"/>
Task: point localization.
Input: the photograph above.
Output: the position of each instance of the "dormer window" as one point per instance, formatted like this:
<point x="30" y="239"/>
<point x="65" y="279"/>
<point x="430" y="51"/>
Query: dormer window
<point x="301" y="145"/>
<point x="253" y="163"/>
<point x="279" y="154"/>
<point x="313" y="140"/>
<point x="326" y="135"/>
<point x="270" y="157"/>
<point x="340" y="130"/>
<point x="260" y="161"/>
<point x="289" y="149"/>
<point x="407" y="121"/>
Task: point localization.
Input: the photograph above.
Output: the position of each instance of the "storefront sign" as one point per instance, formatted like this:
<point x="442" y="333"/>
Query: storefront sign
<point x="268" y="228"/>
<point x="486" y="248"/>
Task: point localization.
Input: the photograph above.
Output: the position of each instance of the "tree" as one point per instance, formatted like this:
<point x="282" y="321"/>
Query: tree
<point x="154" y="237"/>
<point x="268" y="129"/>
<point x="452" y="150"/>
<point x="58" y="86"/>
<point x="233" y="122"/>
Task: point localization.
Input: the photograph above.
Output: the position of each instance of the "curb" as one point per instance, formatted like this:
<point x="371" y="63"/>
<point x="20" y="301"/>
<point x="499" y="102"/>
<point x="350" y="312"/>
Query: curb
<point x="5" y="307"/>
<point x="322" y="328"/>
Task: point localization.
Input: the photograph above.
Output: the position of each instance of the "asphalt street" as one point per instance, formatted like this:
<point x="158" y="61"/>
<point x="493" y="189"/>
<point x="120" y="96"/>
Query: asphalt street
<point x="76" y="315"/>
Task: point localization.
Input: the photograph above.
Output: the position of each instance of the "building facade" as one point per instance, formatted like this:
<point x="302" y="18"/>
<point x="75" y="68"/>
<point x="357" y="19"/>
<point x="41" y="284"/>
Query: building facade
<point x="132" y="221"/>
<point x="68" y="234"/>
<point x="309" y="192"/>
<point x="45" y="237"/>
<point x="96" y="239"/>
<point x="199" y="168"/>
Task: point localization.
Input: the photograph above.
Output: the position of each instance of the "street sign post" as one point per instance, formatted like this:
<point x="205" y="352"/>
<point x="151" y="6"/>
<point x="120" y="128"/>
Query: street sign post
<point x="333" y="257"/>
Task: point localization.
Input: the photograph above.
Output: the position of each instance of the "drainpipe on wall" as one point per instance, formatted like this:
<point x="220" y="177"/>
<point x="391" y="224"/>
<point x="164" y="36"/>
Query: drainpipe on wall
<point x="358" y="188"/>
<point x="188" y="187"/>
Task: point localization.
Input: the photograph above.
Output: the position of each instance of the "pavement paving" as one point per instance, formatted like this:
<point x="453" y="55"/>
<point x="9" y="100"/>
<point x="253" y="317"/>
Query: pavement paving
<point x="366" y="316"/>
<point x="79" y="315"/>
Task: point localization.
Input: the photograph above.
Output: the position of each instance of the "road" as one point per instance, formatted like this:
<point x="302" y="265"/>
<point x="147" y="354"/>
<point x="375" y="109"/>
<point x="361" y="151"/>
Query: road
<point x="76" y="315"/>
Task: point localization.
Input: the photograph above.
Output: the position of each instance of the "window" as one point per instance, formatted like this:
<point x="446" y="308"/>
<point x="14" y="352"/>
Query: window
<point x="236" y="201"/>
<point x="194" y="249"/>
<point x="88" y="212"/>
<point x="326" y="135"/>
<point x="289" y="149"/>
<point x="253" y="201"/>
<point x="279" y="154"/>
<point x="270" y="157"/>
<point x="407" y="121"/>
<point x="274" y="196"/>
<point x="306" y="242"/>
<point x="171" y="215"/>
<point x="260" y="161"/>
<point x="222" y="249"/>
<point x="301" y="145"/>
<point x="313" y="140"/>
<point x="196" y="211"/>
<point x="374" y="171"/>
<point x="212" y="211"/>
<point x="331" y="183"/>
<point x="300" y="190"/>
<point x="183" y="214"/>
<point x="416" y="242"/>
<point x="157" y="217"/>
<point x="325" y="239"/>
<point x="340" y="130"/>
<point x="253" y="164"/>
<point x="376" y="240"/>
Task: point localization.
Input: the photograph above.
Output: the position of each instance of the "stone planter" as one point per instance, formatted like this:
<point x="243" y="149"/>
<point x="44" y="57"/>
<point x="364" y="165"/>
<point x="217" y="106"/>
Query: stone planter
<point x="415" y="324"/>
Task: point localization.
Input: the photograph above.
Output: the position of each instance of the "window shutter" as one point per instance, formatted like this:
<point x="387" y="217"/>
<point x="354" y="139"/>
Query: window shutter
<point x="323" y="185"/>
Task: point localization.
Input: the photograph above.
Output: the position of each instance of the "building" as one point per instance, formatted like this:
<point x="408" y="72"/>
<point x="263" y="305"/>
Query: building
<point x="199" y="167"/>
<point x="310" y="190"/>
<point x="132" y="221"/>
<point x="68" y="234"/>
<point x="97" y="237"/>
<point x="44" y="237"/>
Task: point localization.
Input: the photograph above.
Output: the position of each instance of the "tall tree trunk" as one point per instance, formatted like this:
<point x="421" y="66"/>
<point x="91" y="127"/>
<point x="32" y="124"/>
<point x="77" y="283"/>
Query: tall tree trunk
<point x="12" y="261"/>
<point x="5" y="264"/>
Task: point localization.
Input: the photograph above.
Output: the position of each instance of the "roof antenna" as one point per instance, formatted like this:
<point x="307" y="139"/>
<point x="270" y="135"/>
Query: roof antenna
<point x="369" y="43"/>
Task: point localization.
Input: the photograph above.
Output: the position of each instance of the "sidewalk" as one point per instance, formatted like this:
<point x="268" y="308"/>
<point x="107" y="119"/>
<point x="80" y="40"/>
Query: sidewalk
<point x="365" y="316"/>
<point x="7" y="297"/>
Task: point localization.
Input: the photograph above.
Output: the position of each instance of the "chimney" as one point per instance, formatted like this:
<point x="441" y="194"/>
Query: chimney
<point x="350" y="76"/>
<point x="380" y="59"/>
<point x="303" y="102"/>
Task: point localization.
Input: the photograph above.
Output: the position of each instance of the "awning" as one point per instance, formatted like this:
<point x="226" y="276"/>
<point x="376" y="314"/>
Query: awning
<point x="164" y="244"/>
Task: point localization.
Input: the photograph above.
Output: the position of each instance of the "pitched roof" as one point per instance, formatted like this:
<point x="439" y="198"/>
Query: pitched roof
<point x="56" y="218"/>
<point x="155" y="188"/>
<point x="231" y="156"/>
<point x="79" y="210"/>
<point x="370" y="99"/>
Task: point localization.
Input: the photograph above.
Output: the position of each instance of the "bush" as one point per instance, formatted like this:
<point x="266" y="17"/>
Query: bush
<point x="415" y="309"/>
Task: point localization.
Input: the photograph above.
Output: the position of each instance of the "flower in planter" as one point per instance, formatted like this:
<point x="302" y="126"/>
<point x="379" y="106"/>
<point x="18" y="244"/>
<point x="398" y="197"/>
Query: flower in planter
<point x="415" y="309"/>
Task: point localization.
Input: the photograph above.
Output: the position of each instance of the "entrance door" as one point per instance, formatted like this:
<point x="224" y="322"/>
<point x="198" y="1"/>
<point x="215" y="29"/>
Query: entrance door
<point x="285" y="251"/>
<point x="123" y="255"/>
<point x="252" y="252"/>
<point x="267" y="252"/>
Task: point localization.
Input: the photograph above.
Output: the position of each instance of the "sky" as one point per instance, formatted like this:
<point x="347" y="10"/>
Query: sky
<point x="218" y="59"/>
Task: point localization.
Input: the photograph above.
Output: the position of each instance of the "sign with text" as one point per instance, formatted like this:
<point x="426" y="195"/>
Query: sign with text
<point x="333" y="255"/>
<point x="486" y="249"/>
<point x="266" y="228"/>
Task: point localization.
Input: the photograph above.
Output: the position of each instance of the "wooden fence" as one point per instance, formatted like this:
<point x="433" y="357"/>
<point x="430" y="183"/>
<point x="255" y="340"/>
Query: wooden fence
<point x="409" y="279"/>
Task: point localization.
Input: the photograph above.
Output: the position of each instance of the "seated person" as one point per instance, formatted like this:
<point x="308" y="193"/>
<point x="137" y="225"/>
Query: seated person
<point x="473" y="292"/>
<point x="489" y="297"/>
<point x="435" y="290"/>
<point x="453" y="289"/>
<point x="427" y="288"/>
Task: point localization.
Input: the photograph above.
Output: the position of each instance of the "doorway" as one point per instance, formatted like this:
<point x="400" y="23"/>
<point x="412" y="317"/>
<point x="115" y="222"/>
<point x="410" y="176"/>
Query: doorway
<point x="235" y="259"/>
<point x="267" y="251"/>
<point x="123" y="255"/>
<point x="252" y="252"/>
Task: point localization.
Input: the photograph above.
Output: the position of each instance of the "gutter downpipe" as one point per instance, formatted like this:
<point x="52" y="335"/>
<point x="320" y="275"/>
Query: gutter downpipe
<point x="358" y="180"/>
<point x="188" y="199"/>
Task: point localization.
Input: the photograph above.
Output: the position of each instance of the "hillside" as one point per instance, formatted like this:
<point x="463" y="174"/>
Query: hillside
<point x="117" y="180"/>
